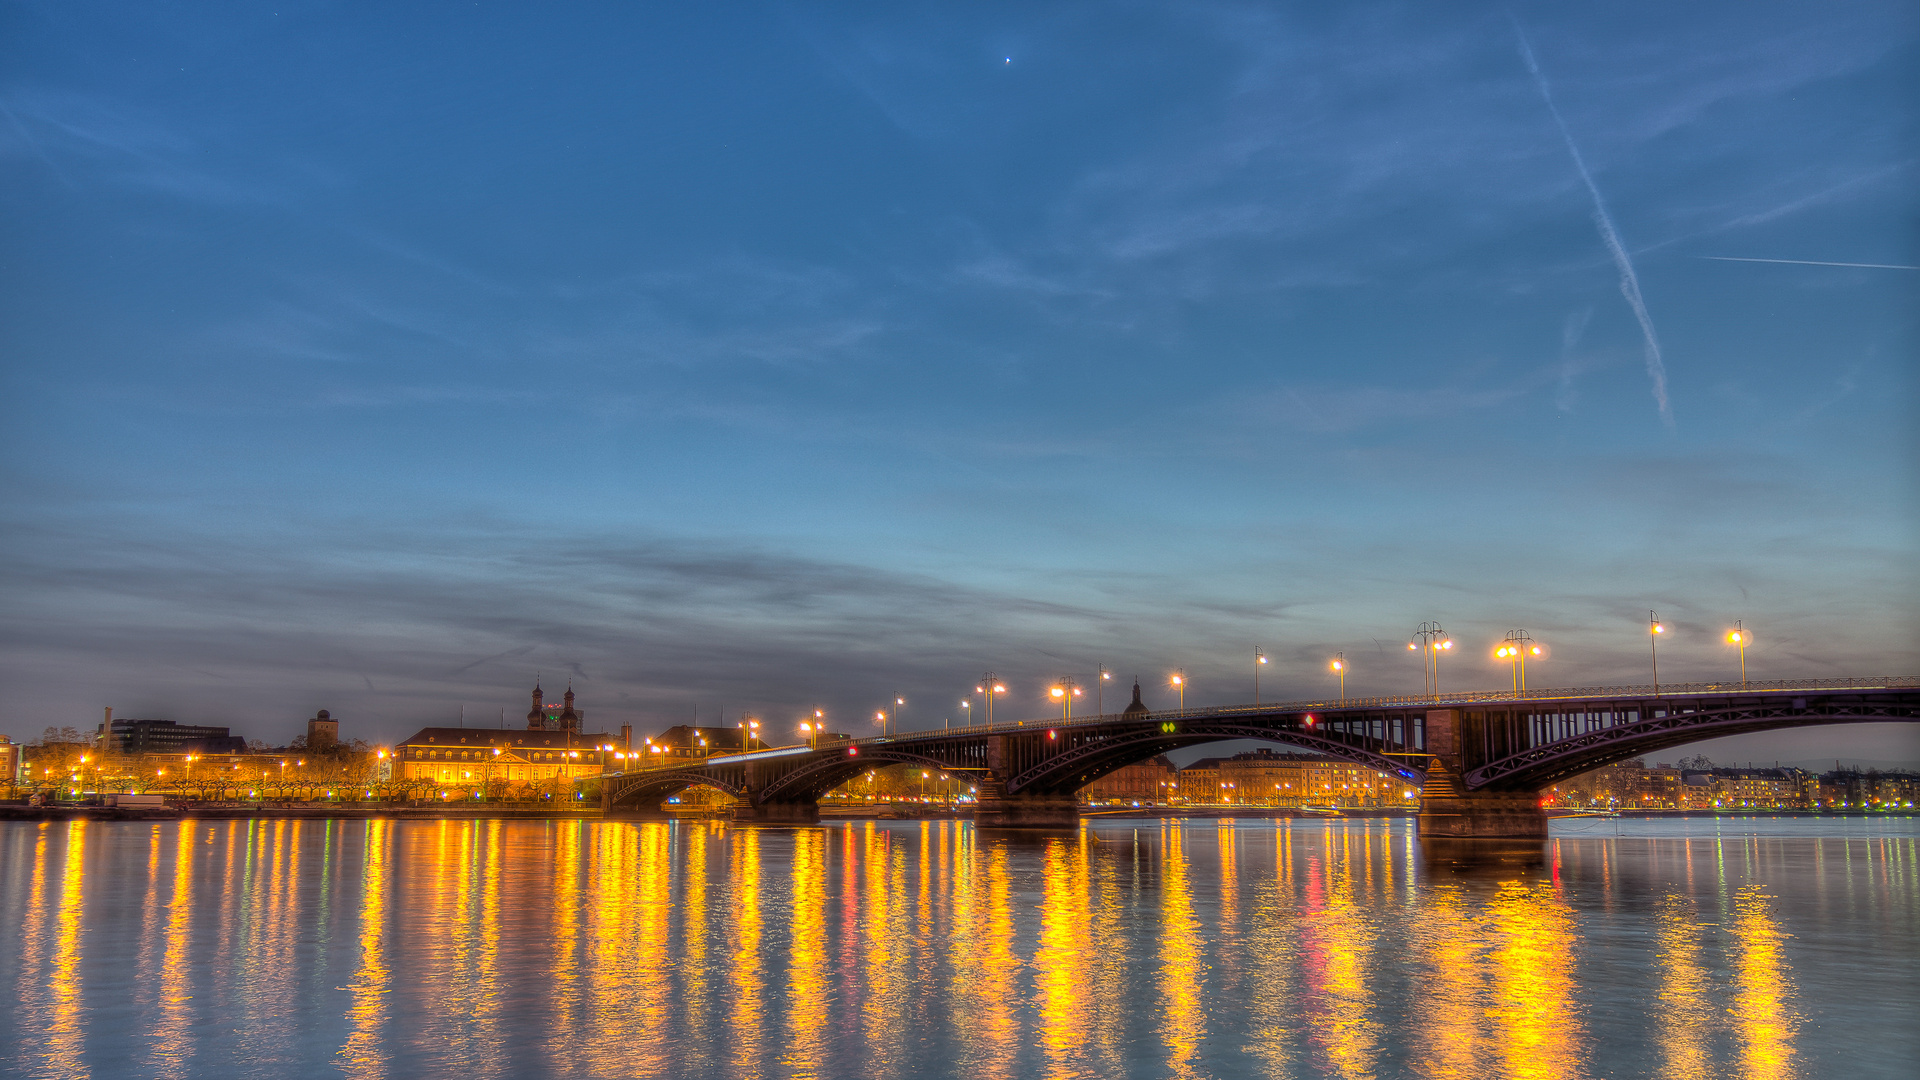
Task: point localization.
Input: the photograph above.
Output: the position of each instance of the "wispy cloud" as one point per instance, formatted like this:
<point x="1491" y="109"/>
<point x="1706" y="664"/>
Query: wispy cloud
<point x="1629" y="279"/>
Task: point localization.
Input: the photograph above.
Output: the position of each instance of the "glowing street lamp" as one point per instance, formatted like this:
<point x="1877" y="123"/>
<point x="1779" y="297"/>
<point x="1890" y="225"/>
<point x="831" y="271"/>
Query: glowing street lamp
<point x="1064" y="694"/>
<point x="1739" y="636"/>
<point x="748" y="732"/>
<point x="1654" y="630"/>
<point x="1514" y="650"/>
<point x="1180" y="684"/>
<point x="988" y="687"/>
<point x="1432" y="641"/>
<point x="1259" y="661"/>
<point x="1339" y="667"/>
<point x="1099" y="691"/>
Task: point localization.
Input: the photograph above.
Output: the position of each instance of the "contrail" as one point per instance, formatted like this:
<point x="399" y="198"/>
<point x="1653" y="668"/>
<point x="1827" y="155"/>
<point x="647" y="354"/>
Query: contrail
<point x="1810" y="262"/>
<point x="1629" y="281"/>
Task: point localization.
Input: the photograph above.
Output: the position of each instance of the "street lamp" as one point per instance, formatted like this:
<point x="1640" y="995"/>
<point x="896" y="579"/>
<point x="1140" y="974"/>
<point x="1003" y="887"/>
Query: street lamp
<point x="1339" y="667"/>
<point x="748" y="726"/>
<point x="1654" y="630"/>
<point x="987" y="688"/>
<point x="1739" y="636"/>
<point x="1259" y="661"/>
<point x="1432" y="642"/>
<point x="1180" y="683"/>
<point x="966" y="705"/>
<point x="1514" y="650"/>
<point x="1099" y="691"/>
<point x="1065" y="693"/>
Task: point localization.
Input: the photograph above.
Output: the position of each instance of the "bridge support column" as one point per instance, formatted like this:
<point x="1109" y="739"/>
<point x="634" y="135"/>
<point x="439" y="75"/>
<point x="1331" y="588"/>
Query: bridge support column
<point x="748" y="812"/>
<point x="1448" y="810"/>
<point x="1484" y="815"/>
<point x="998" y="810"/>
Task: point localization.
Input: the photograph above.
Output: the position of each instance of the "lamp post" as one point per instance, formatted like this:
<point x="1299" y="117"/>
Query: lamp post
<point x="747" y="725"/>
<point x="1654" y="630"/>
<point x="1065" y="693"/>
<point x="1099" y="691"/>
<point x="1432" y="641"/>
<point x="1259" y="661"/>
<point x="1514" y="650"/>
<point x="1180" y="684"/>
<point x="1339" y="667"/>
<point x="1738" y="636"/>
<point x="966" y="707"/>
<point x="989" y="687"/>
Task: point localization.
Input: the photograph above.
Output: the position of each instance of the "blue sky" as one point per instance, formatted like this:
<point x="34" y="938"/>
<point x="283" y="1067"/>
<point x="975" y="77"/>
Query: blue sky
<point x="380" y="358"/>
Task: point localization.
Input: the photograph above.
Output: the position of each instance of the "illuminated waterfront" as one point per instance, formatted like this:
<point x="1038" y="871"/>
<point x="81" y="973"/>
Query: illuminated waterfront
<point x="273" y="948"/>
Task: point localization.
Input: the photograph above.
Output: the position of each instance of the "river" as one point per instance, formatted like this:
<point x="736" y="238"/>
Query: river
<point x="1137" y="947"/>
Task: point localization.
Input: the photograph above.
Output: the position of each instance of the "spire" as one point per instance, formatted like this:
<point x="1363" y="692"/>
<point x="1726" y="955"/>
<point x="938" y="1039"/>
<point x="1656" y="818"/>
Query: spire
<point x="1138" y="709"/>
<point x="536" y="719"/>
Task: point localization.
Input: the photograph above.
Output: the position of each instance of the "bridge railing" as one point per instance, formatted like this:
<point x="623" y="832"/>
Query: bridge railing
<point x="1336" y="706"/>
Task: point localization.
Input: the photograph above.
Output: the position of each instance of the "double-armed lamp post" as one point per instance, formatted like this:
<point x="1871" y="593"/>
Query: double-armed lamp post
<point x="1064" y="694"/>
<point x="989" y="686"/>
<point x="1515" y="650"/>
<point x="1431" y="641"/>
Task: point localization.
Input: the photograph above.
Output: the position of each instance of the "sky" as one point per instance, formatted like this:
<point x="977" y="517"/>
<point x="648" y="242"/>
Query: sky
<point x="763" y="358"/>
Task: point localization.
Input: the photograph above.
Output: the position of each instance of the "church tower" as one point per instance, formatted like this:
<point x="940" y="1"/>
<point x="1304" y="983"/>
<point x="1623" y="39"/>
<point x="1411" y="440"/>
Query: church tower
<point x="569" y="720"/>
<point x="537" y="719"/>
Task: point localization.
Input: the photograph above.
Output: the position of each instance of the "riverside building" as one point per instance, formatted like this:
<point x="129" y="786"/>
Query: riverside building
<point x="552" y="748"/>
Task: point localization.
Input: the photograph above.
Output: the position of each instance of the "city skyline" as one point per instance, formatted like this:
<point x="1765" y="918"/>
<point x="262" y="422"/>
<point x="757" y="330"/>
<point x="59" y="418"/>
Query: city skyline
<point x="384" y="361"/>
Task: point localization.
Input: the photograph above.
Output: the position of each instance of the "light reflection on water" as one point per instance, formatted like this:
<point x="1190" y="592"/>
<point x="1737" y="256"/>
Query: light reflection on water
<point x="1766" y="949"/>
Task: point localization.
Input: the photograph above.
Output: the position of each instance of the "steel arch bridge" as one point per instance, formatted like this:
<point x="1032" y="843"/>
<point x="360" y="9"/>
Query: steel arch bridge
<point x="1478" y="758"/>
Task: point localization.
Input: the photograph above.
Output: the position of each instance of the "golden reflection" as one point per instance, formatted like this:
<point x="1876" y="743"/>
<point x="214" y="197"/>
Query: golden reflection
<point x="1060" y="964"/>
<point x="694" y="933"/>
<point x="1272" y="957"/>
<point x="1763" y="1020"/>
<point x="1338" y="944"/>
<point x="884" y="950"/>
<point x="1536" y="1027"/>
<point x="982" y="947"/>
<point x="1686" y="1014"/>
<point x="745" y="1020"/>
<point x="33" y="946"/>
<point x="1451" y="1034"/>
<point x="365" y="1052"/>
<point x="807" y="991"/>
<point x="173" y="1045"/>
<point x="1183" y="1021"/>
<point x="569" y="898"/>
<point x="65" y="1041"/>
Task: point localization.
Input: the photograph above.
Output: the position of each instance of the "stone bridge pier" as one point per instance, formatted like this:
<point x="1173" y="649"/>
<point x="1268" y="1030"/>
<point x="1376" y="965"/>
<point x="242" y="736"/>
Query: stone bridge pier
<point x="1449" y="810"/>
<point x="995" y="809"/>
<point x="749" y="809"/>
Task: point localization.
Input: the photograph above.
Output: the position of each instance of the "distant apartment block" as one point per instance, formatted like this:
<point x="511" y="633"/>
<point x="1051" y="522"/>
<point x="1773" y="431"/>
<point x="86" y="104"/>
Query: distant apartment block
<point x="167" y="737"/>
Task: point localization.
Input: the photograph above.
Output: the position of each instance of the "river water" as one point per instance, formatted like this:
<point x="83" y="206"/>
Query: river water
<point x="1139" y="947"/>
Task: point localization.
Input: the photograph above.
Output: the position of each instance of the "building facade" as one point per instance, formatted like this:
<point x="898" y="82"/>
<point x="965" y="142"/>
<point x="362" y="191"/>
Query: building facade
<point x="166" y="737"/>
<point x="1145" y="783"/>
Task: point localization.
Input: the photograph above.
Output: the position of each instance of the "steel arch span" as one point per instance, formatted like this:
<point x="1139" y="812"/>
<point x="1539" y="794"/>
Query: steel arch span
<point x="1644" y="726"/>
<point x="639" y="789"/>
<point x="1079" y="765"/>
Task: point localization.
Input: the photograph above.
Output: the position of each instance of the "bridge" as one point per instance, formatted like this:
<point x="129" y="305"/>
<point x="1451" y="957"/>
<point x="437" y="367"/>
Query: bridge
<point x="1478" y="759"/>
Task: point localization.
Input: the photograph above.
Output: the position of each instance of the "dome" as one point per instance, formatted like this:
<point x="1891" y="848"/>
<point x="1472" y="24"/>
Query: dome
<point x="323" y="715"/>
